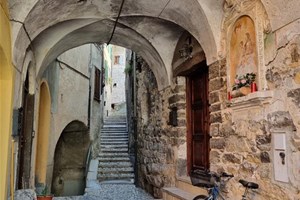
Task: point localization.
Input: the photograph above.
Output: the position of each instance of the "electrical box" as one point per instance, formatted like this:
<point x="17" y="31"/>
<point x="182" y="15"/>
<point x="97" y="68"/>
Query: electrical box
<point x="280" y="157"/>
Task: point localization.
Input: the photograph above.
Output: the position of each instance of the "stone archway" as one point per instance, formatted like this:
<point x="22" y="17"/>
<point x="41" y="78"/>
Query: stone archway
<point x="43" y="134"/>
<point x="70" y="160"/>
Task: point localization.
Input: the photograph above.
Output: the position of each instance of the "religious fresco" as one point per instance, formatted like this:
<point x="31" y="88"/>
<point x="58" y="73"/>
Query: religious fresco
<point x="243" y="53"/>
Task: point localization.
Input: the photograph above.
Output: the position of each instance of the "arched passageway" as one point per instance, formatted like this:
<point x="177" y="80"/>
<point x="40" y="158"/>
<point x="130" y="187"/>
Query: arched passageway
<point x="70" y="160"/>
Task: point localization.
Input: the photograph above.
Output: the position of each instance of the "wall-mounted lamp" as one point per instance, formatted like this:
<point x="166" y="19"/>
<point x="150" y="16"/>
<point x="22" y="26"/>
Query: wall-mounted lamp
<point x="187" y="49"/>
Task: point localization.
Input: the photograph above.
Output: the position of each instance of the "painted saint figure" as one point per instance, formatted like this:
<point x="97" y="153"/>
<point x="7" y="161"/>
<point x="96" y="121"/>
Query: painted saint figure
<point x="247" y="59"/>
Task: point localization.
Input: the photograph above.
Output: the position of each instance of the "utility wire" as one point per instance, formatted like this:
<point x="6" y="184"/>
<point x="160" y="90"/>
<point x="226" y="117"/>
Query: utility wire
<point x="116" y="22"/>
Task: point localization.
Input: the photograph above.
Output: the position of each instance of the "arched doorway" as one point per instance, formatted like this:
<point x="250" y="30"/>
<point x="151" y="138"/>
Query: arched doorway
<point x="70" y="160"/>
<point x="25" y="141"/>
<point x="43" y="135"/>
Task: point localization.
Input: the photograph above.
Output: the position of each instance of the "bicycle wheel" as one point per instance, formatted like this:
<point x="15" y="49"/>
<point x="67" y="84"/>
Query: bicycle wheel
<point x="200" y="197"/>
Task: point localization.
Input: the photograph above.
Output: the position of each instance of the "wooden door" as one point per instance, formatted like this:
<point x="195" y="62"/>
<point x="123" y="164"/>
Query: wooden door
<point x="198" y="118"/>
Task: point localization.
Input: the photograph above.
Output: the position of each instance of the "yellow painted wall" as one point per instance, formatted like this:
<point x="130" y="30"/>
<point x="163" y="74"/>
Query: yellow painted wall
<point x="6" y="97"/>
<point x="43" y="134"/>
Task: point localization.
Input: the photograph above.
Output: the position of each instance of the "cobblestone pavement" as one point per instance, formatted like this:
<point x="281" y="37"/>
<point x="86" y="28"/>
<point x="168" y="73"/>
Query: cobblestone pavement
<point x="112" y="192"/>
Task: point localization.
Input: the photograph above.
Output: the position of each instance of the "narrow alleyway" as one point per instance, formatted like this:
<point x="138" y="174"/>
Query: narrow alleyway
<point x="115" y="173"/>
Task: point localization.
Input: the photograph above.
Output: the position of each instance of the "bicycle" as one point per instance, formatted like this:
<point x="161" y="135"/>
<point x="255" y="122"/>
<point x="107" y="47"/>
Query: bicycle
<point x="215" y="182"/>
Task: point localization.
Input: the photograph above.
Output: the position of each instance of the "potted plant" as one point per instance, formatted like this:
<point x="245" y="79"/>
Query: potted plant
<point x="43" y="193"/>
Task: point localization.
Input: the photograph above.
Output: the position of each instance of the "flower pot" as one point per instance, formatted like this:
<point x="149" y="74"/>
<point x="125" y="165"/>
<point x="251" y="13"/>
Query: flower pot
<point x="245" y="90"/>
<point x="48" y="197"/>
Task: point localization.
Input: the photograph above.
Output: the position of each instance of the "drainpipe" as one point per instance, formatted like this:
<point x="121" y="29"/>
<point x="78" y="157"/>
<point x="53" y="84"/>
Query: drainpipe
<point x="135" y="121"/>
<point x="90" y="88"/>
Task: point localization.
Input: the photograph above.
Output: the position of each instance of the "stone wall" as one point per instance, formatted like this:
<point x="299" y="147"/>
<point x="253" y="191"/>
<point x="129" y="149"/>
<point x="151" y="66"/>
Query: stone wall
<point x="243" y="132"/>
<point x="244" y="129"/>
<point x="157" y="140"/>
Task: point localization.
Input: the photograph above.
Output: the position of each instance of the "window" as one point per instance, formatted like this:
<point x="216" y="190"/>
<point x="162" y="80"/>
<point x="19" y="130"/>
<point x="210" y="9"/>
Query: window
<point x="103" y="75"/>
<point x="97" y="85"/>
<point x="117" y="60"/>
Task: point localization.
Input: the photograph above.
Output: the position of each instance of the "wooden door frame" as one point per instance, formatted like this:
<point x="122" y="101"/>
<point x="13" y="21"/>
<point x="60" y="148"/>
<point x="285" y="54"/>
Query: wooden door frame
<point x="189" y="125"/>
<point x="197" y="69"/>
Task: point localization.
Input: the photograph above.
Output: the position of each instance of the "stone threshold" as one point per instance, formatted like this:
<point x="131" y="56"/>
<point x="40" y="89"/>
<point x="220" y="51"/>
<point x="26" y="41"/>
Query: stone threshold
<point x="178" y="193"/>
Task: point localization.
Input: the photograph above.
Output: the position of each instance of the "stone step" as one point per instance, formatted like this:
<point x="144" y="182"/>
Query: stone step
<point x="113" y="164"/>
<point x="109" y="130"/>
<point x="115" y="159"/>
<point x="176" y="194"/>
<point x="117" y="139"/>
<point x="113" y="146"/>
<point x="116" y="144"/>
<point x="119" y="134"/>
<point x="118" y="170"/>
<point x="114" y="137"/>
<point x="129" y="181"/>
<point x="118" y="122"/>
<point x="113" y="155"/>
<point x="115" y="176"/>
<point x="114" y="125"/>
<point x="113" y="130"/>
<point x="115" y="117"/>
<point x="114" y="134"/>
<point x="115" y="150"/>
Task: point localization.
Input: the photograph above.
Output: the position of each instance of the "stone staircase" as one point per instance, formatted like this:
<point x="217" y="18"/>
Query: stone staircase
<point x="114" y="164"/>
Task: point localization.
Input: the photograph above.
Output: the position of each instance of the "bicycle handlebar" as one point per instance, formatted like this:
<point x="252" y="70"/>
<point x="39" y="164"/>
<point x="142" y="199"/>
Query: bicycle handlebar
<point x="224" y="174"/>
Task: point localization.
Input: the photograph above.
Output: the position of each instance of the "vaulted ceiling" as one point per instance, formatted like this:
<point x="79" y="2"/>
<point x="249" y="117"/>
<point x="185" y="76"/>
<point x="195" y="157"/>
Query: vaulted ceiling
<point x="150" y="28"/>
